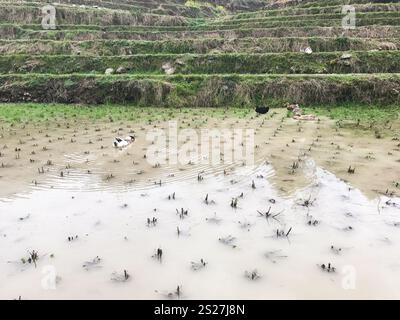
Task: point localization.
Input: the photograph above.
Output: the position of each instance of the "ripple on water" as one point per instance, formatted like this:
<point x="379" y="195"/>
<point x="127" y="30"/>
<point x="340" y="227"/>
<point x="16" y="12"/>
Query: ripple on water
<point x="119" y="235"/>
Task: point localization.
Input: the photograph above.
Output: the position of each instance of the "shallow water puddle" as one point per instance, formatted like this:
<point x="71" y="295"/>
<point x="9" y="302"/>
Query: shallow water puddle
<point x="269" y="246"/>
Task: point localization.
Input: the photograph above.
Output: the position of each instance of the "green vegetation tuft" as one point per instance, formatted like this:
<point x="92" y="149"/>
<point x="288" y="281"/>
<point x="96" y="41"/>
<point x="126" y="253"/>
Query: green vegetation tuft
<point x="357" y="112"/>
<point x="40" y="112"/>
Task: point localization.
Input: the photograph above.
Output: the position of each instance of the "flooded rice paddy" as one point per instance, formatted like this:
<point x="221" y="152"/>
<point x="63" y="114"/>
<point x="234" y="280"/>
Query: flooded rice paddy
<point x="81" y="219"/>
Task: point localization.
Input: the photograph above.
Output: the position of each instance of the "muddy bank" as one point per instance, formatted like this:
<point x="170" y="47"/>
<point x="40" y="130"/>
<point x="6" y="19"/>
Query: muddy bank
<point x="87" y="16"/>
<point x="30" y="32"/>
<point x="201" y="90"/>
<point x="199" y="64"/>
<point x="212" y="45"/>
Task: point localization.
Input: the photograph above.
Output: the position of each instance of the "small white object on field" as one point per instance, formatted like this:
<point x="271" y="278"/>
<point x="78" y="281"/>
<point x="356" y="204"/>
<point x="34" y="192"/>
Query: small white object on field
<point x="308" y="50"/>
<point x="121" y="143"/>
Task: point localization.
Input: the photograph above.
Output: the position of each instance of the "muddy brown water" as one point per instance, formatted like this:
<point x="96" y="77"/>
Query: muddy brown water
<point x="106" y="195"/>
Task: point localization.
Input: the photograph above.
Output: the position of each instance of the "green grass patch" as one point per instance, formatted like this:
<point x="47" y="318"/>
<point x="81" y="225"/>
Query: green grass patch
<point x="43" y="113"/>
<point x="357" y="112"/>
<point x="195" y="46"/>
<point x="13" y="31"/>
<point x="270" y="63"/>
<point x="371" y="7"/>
<point x="228" y="90"/>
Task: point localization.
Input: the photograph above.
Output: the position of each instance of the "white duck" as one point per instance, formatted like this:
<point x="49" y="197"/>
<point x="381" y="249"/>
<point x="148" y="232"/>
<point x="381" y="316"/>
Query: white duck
<point x="121" y="143"/>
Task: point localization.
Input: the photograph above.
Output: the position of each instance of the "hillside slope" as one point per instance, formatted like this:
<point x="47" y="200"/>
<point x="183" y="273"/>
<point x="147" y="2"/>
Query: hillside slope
<point x="200" y="53"/>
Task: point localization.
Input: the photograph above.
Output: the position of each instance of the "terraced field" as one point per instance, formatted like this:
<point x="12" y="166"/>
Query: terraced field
<point x="134" y="164"/>
<point x="200" y="53"/>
